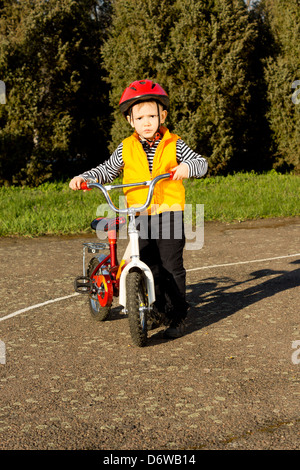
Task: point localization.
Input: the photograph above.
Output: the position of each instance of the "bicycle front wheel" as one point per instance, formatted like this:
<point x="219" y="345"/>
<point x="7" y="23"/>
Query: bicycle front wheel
<point x="137" y="307"/>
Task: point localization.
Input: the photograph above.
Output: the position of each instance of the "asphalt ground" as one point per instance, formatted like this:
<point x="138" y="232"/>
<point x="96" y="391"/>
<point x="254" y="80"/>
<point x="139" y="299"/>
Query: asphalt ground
<point x="230" y="383"/>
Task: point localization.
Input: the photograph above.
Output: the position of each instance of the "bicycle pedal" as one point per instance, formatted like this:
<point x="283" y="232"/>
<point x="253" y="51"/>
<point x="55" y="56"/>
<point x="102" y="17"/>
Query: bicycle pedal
<point x="83" y="285"/>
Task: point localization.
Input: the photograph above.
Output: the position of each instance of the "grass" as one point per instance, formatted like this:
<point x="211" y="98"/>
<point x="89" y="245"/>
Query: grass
<point x="53" y="209"/>
<point x="246" y="196"/>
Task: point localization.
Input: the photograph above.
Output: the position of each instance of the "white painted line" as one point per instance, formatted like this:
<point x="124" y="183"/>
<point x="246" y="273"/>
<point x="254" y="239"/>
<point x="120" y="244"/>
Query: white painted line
<point x="23" y="310"/>
<point x="242" y="262"/>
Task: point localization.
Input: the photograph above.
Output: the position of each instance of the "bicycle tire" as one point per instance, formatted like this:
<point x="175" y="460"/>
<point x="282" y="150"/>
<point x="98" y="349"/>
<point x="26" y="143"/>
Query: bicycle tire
<point x="98" y="312"/>
<point x="137" y="304"/>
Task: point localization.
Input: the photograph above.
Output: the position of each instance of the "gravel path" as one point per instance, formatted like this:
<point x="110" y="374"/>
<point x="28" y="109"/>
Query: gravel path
<point x="231" y="382"/>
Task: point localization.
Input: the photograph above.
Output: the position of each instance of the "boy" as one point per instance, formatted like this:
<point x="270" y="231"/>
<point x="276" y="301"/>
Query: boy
<point x="150" y="151"/>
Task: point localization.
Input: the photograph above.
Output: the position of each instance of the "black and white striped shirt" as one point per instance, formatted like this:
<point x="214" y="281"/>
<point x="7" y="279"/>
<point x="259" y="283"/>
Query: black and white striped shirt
<point x="106" y="172"/>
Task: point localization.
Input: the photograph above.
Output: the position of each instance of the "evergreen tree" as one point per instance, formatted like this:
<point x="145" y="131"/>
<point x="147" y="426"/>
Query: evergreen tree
<point x="138" y="36"/>
<point x="282" y="72"/>
<point x="210" y="78"/>
<point x="56" y="115"/>
<point x="200" y="52"/>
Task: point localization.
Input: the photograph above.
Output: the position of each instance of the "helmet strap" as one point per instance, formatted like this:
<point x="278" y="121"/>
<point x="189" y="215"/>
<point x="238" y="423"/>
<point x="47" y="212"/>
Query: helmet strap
<point x="151" y="142"/>
<point x="158" y="113"/>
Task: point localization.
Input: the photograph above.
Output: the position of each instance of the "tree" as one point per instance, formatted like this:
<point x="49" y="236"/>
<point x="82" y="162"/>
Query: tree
<point x="134" y="50"/>
<point x="281" y="71"/>
<point x="56" y="117"/>
<point x="200" y="52"/>
<point x="210" y="73"/>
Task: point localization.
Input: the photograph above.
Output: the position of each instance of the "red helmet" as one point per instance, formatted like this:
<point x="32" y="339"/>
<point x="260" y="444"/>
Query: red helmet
<point x="142" y="90"/>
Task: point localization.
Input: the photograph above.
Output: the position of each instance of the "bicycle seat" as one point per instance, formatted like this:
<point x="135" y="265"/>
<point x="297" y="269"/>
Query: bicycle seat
<point x="106" y="224"/>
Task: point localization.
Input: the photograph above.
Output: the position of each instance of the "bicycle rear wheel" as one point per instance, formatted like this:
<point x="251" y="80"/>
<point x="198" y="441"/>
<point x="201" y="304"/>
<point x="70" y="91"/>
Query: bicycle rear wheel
<point x="137" y="307"/>
<point x="100" y="299"/>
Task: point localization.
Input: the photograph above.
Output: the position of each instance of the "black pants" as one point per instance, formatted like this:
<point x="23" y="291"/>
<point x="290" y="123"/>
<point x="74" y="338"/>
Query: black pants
<point x="162" y="241"/>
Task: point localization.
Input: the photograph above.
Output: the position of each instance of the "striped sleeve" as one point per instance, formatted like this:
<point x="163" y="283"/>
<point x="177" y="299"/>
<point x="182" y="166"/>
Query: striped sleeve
<point x="197" y="164"/>
<point x="106" y="172"/>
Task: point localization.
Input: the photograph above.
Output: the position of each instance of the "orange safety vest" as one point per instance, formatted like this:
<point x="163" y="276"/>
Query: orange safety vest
<point x="168" y="195"/>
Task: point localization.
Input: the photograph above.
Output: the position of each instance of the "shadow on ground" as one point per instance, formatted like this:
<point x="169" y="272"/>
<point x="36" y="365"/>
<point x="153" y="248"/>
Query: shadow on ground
<point x="211" y="300"/>
<point x="215" y="301"/>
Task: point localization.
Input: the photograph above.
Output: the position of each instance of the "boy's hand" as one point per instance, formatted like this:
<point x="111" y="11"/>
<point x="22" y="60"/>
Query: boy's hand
<point x="75" y="183"/>
<point x="181" y="171"/>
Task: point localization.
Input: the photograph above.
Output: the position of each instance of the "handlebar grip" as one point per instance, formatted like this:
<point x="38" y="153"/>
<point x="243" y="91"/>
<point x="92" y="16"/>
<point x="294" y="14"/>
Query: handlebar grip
<point x="84" y="186"/>
<point x="172" y="173"/>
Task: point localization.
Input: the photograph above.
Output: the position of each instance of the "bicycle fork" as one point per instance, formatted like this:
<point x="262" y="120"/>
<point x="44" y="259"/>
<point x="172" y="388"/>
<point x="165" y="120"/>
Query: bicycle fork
<point x="135" y="264"/>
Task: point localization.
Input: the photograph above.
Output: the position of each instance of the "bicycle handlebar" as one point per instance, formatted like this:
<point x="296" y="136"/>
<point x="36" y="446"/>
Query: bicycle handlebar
<point x="88" y="185"/>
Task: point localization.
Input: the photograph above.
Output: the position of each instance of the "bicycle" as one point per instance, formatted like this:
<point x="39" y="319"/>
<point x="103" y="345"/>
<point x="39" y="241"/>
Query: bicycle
<point x="131" y="280"/>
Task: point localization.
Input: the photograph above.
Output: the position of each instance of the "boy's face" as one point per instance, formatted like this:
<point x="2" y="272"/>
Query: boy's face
<point x="145" y="119"/>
